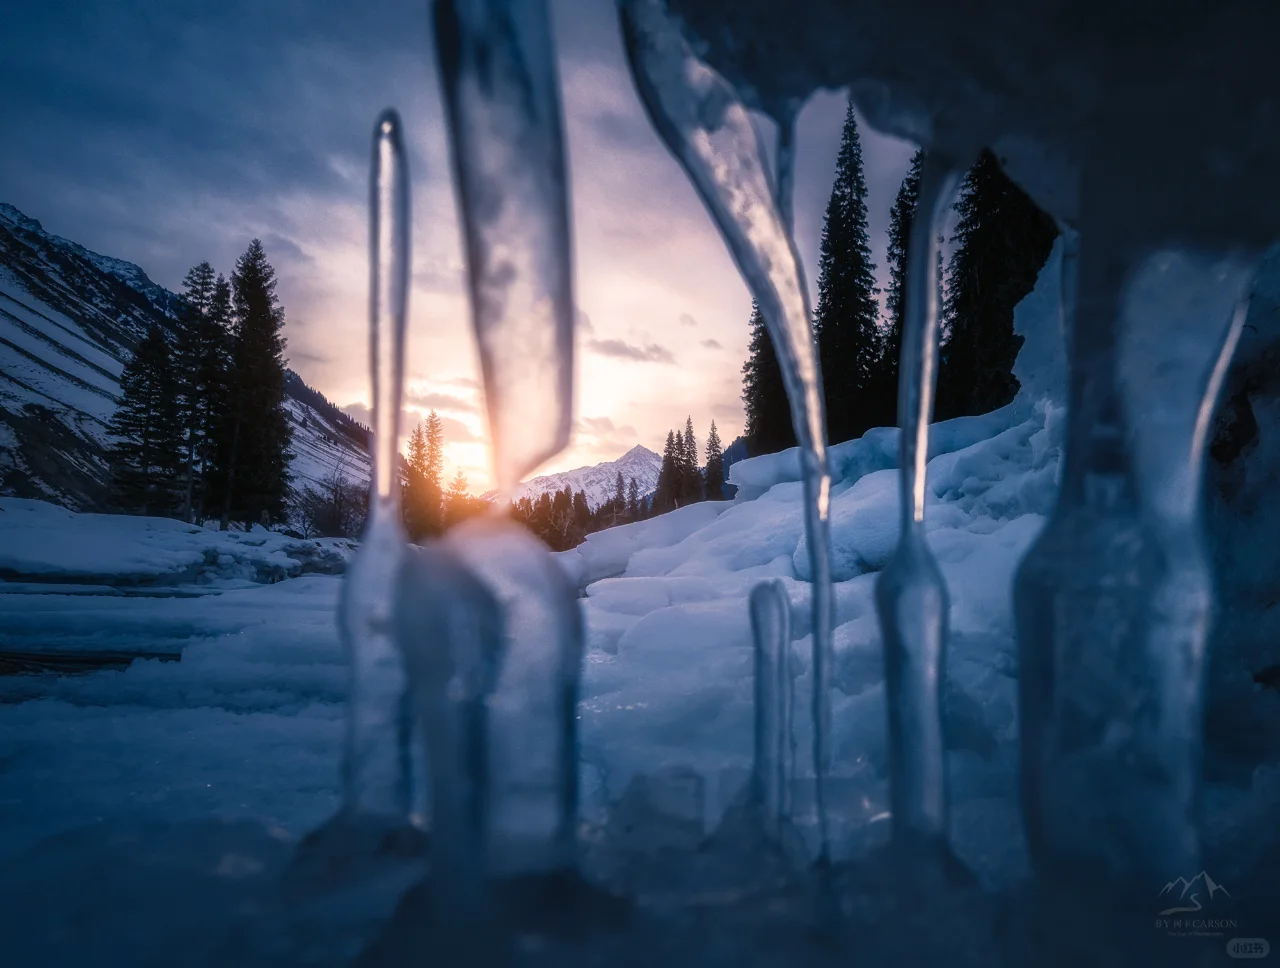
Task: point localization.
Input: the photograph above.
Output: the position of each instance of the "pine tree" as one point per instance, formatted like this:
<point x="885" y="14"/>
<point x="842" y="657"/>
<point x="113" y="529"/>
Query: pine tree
<point x="418" y="517"/>
<point x="847" y="318"/>
<point x="764" y="395"/>
<point x="664" y="497"/>
<point x="619" y="498"/>
<point x="253" y="451"/>
<point x="633" y="500"/>
<point x="1003" y="239"/>
<point x="690" y="476"/>
<point x="433" y="475"/>
<point x="146" y="455"/>
<point x="901" y="218"/>
<point x="457" y="501"/>
<point x="200" y="364"/>
<point x="715" y="466"/>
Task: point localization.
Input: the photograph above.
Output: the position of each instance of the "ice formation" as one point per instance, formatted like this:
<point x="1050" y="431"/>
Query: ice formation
<point x="499" y="78"/>
<point x="773" y="769"/>
<point x="376" y="773"/>
<point x="707" y="127"/>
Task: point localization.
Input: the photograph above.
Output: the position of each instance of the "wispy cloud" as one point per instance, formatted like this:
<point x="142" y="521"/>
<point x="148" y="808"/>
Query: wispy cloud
<point x="687" y="320"/>
<point x="620" y="349"/>
<point x="441" y="401"/>
<point x="712" y="344"/>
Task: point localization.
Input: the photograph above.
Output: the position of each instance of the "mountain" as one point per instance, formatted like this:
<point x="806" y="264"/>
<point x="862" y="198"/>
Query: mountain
<point x="598" y="482"/>
<point x="69" y="319"/>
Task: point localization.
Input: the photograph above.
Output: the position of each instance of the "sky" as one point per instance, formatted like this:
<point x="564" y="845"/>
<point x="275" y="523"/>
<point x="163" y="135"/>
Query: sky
<point x="169" y="133"/>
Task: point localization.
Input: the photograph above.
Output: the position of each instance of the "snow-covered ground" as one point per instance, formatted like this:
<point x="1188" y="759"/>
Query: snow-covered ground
<point x="246" y="728"/>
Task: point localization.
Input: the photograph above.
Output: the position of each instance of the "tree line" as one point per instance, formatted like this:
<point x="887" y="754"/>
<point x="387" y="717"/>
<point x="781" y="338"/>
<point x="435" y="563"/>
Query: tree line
<point x="201" y="430"/>
<point x="1002" y="240"/>
<point x="564" y="518"/>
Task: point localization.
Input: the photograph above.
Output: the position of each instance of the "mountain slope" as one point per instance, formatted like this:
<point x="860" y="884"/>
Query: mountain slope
<point x="599" y="481"/>
<point x="69" y="319"/>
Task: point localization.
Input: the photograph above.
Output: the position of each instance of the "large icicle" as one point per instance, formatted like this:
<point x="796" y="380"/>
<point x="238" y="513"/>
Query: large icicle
<point x="707" y="127"/>
<point x="1113" y="600"/>
<point x="911" y="595"/>
<point x="498" y="72"/>
<point x="533" y="744"/>
<point x="375" y="773"/>
<point x="773" y="770"/>
<point x="449" y="627"/>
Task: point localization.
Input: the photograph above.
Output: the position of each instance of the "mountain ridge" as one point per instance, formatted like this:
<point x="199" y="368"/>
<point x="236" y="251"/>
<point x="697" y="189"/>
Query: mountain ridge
<point x="69" y="320"/>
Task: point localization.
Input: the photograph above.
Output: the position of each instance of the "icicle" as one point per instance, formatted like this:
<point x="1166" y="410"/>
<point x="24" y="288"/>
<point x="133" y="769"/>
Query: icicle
<point x="449" y="629"/>
<point x="375" y="764"/>
<point x="1113" y="600"/>
<point x="497" y="69"/>
<point x="773" y="770"/>
<point x="533" y="744"/>
<point x="787" y="166"/>
<point x="911" y="595"/>
<point x="708" y="129"/>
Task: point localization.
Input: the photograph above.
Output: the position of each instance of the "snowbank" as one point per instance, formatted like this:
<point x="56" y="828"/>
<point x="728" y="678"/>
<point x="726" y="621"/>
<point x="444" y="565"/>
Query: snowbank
<point x="43" y="542"/>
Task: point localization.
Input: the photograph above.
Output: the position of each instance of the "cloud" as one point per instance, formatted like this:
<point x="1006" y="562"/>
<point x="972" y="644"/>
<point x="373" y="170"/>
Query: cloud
<point x="712" y="344"/>
<point x="687" y="320"/>
<point x="456" y="432"/>
<point x="462" y="381"/>
<point x="619" y="349"/>
<point x="583" y="322"/>
<point x="727" y="411"/>
<point x="441" y="401"/>
<point x="604" y="427"/>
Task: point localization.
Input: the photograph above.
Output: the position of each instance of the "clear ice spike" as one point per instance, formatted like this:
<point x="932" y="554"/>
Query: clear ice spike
<point x="1113" y="600"/>
<point x="786" y="180"/>
<point x="533" y="712"/>
<point x="501" y="93"/>
<point x="708" y="129"/>
<point x="449" y="630"/>
<point x="911" y="595"/>
<point x="773" y="770"/>
<point x="376" y="769"/>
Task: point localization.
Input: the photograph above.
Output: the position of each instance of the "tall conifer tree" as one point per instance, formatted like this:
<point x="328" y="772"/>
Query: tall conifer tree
<point x="147" y="454"/>
<point x="715" y="466"/>
<point x="1002" y="240"/>
<point x="847" y="317"/>
<point x="901" y="218"/>
<point x="764" y="395"/>
<point x="253" y="456"/>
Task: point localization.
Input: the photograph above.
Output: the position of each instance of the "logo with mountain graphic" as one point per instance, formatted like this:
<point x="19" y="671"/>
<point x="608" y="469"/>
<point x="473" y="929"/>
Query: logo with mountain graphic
<point x="1191" y="895"/>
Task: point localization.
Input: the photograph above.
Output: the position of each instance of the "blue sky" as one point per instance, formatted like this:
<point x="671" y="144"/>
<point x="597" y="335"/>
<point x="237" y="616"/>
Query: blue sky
<point x="167" y="133"/>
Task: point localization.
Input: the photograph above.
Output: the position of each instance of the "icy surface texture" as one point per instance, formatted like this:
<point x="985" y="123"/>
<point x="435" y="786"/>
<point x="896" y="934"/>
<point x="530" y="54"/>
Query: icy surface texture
<point x="498" y="72"/>
<point x="533" y="712"/>
<point x="375" y="766"/>
<point x="1113" y="601"/>
<point x="911" y="595"/>
<point x="773" y="769"/>
<point x="706" y="126"/>
<point x="449" y="628"/>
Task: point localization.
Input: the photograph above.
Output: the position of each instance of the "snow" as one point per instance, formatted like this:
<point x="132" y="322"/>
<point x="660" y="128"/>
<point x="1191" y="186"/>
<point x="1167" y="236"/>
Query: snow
<point x="43" y="542"/>
<point x="245" y="729"/>
<point x="598" y="481"/>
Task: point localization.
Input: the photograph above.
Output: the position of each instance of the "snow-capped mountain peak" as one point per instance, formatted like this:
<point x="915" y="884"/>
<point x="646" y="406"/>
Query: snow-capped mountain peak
<point x="599" y="481"/>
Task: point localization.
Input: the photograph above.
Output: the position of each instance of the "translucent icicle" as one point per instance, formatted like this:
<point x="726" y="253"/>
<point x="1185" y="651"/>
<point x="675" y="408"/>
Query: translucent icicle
<point x="498" y="72"/>
<point x="911" y="595"/>
<point x="533" y="713"/>
<point x="375" y="765"/>
<point x="773" y="770"/>
<point x="1113" y="600"/>
<point x="707" y="127"/>
<point x="449" y="629"/>
<point x="787" y="166"/>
